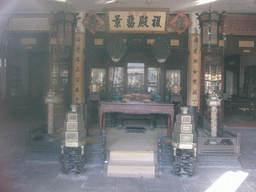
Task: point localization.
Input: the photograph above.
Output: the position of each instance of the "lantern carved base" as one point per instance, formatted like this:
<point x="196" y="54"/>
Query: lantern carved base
<point x="183" y="163"/>
<point x="72" y="160"/>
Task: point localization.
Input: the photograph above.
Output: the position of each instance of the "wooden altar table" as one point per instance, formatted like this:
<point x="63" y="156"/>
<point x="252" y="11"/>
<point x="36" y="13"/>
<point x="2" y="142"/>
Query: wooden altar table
<point x="133" y="107"/>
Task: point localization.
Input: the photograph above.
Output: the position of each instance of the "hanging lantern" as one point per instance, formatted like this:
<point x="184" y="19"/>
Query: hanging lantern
<point x="65" y="28"/>
<point x="116" y="48"/>
<point x="209" y="24"/>
<point x="161" y="49"/>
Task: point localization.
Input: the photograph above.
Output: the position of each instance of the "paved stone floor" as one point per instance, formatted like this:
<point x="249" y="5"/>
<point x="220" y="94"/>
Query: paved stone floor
<point x="20" y="173"/>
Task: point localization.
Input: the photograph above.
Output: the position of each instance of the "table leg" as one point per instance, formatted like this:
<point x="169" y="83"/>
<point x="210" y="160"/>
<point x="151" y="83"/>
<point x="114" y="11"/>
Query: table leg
<point x="104" y="122"/>
<point x="100" y="117"/>
<point x="169" y="125"/>
<point x="172" y="123"/>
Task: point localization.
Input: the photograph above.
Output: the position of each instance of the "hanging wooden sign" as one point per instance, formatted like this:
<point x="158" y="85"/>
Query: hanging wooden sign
<point x="93" y="22"/>
<point x="78" y="66"/>
<point x="180" y="22"/>
<point x="137" y="20"/>
<point x="194" y="70"/>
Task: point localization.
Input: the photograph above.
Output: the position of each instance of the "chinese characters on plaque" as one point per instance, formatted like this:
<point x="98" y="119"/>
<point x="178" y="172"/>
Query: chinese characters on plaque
<point x="137" y="20"/>
<point x="93" y="22"/>
<point x="78" y="70"/>
<point x="194" y="70"/>
<point x="180" y="22"/>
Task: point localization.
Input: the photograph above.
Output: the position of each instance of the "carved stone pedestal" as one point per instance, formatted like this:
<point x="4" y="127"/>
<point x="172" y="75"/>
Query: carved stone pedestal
<point x="73" y="159"/>
<point x="72" y="150"/>
<point x="183" y="163"/>
<point x="184" y="142"/>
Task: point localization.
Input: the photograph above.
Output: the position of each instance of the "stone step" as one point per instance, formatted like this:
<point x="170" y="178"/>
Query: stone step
<point x="138" y="169"/>
<point x="147" y="156"/>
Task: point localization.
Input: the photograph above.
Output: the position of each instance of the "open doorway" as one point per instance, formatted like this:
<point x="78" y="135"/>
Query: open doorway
<point x="38" y="75"/>
<point x="38" y="81"/>
<point x="239" y="89"/>
<point x="232" y="74"/>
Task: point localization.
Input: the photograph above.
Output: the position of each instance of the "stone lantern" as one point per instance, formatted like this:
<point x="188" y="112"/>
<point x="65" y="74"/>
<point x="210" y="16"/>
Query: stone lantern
<point x="214" y="102"/>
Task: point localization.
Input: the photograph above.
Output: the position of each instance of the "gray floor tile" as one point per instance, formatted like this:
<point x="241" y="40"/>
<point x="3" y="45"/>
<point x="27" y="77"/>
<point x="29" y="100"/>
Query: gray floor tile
<point x="251" y="177"/>
<point x="19" y="169"/>
<point x="166" y="182"/>
<point x="28" y="188"/>
<point x="196" y="186"/>
<point x="94" y="169"/>
<point x="214" y="174"/>
<point x="73" y="176"/>
<point x="245" y="188"/>
<point x="169" y="190"/>
<point x="251" y="185"/>
<point x="6" y="182"/>
<point x="100" y="181"/>
<point x="133" y="184"/>
<point x="98" y="189"/>
<point x="6" y="163"/>
<point x="43" y="175"/>
<point x="65" y="185"/>
<point x="133" y="190"/>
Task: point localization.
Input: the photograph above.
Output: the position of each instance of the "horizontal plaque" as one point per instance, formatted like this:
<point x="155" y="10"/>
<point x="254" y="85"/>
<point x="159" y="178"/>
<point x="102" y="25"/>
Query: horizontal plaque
<point x="150" y="41"/>
<point x="53" y="41"/>
<point x="137" y="20"/>
<point x="221" y="43"/>
<point x="98" y="41"/>
<point x="175" y="42"/>
<point x="28" y="41"/>
<point x="246" y="44"/>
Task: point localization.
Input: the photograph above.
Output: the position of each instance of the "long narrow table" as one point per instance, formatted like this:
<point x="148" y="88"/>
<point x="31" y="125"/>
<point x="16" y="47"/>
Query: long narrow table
<point x="136" y="108"/>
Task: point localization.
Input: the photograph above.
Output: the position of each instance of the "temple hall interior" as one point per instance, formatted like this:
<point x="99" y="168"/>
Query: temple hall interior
<point x="127" y="90"/>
